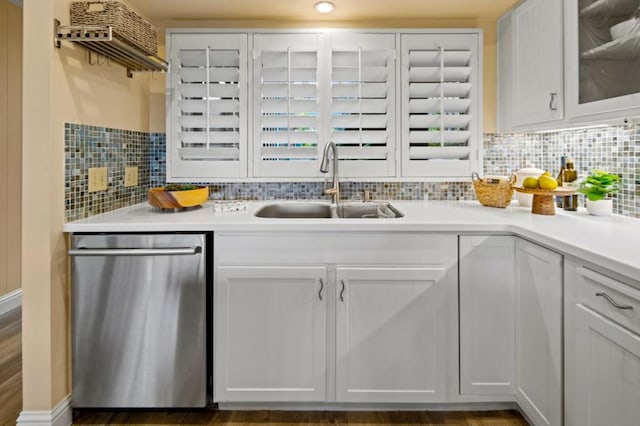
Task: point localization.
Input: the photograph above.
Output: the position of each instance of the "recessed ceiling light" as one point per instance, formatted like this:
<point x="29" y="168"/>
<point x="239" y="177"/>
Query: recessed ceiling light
<point x="324" y="6"/>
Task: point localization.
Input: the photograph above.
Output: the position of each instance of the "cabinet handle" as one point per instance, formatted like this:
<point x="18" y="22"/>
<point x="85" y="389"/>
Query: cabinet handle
<point x="321" y="288"/>
<point x="613" y="302"/>
<point x="342" y="291"/>
<point x="553" y="104"/>
<point x="174" y="251"/>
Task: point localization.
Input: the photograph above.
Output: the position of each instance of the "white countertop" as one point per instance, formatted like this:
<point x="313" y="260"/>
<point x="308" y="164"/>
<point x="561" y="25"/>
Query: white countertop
<point x="611" y="242"/>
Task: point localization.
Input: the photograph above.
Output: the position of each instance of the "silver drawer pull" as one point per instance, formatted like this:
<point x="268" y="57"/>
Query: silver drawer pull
<point x="613" y="302"/>
<point x="321" y="288"/>
<point x="342" y="291"/>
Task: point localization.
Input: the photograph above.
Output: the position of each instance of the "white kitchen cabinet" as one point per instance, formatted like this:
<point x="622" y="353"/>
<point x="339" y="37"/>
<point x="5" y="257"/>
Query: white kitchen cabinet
<point x="530" y="66"/>
<point x="487" y="315"/>
<point x="600" y="64"/>
<point x="270" y="333"/>
<point x="391" y="334"/>
<point x="607" y="365"/>
<point x="381" y="332"/>
<point x="602" y="348"/>
<point x="539" y="284"/>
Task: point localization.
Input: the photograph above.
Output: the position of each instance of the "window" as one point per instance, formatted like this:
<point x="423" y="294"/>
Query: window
<point x="263" y="105"/>
<point x="440" y="105"/>
<point x="363" y="103"/>
<point x="287" y="126"/>
<point x="207" y="124"/>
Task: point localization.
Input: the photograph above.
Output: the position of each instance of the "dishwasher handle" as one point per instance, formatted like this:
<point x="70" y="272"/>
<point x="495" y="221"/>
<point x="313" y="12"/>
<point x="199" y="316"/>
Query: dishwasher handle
<point x="175" y="251"/>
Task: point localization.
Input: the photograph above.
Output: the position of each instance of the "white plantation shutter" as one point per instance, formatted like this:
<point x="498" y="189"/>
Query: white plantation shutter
<point x="287" y="122"/>
<point x="207" y="126"/>
<point x="440" y="105"/>
<point x="362" y="106"/>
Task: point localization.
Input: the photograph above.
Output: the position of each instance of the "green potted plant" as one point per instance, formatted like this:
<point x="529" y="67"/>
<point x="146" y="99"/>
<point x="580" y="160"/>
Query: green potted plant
<point x="598" y="187"/>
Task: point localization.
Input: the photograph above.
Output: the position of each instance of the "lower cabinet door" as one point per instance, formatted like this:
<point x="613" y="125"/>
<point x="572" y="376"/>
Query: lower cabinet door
<point x="539" y="333"/>
<point x="390" y="329"/>
<point x="605" y="388"/>
<point x="270" y="334"/>
<point x="487" y="315"/>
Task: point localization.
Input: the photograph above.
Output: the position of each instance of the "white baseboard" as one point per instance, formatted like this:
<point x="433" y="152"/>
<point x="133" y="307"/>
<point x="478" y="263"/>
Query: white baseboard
<point x="60" y="415"/>
<point x="371" y="406"/>
<point x="10" y="301"/>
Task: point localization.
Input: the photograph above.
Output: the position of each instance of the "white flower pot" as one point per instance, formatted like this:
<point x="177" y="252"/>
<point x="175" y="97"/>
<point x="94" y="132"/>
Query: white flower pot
<point x="601" y="207"/>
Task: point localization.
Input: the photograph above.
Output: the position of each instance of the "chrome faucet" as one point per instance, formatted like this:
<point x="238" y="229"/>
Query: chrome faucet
<point x="324" y="168"/>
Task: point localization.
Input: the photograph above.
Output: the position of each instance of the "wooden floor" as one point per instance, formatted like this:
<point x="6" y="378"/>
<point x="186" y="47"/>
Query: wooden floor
<point x="289" y="418"/>
<point x="11" y="404"/>
<point x="10" y="366"/>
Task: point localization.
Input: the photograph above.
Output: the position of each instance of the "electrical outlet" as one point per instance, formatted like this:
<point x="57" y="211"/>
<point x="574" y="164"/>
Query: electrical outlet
<point x="130" y="176"/>
<point x="98" y="180"/>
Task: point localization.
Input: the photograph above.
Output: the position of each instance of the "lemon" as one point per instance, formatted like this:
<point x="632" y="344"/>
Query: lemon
<point x="547" y="182"/>
<point x="530" y="183"/>
<point x="546" y="174"/>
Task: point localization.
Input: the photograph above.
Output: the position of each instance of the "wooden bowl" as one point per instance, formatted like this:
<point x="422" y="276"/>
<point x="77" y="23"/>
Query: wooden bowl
<point x="544" y="199"/>
<point x="162" y="199"/>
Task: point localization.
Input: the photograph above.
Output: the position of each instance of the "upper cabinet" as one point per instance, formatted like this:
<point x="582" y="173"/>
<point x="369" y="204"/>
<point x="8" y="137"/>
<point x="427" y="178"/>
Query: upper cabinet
<point x="263" y="105"/>
<point x="530" y="72"/>
<point x="601" y="41"/>
<point x="602" y="57"/>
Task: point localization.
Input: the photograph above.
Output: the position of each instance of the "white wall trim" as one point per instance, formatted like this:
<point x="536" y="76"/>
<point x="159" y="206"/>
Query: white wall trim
<point x="60" y="415"/>
<point x="10" y="301"/>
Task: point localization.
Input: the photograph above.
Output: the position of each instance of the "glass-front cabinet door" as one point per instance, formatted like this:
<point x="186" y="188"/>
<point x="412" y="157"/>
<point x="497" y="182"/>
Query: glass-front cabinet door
<point x="602" y="39"/>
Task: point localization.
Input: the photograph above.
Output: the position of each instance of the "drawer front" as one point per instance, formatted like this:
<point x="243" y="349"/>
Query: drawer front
<point x="609" y="297"/>
<point x="397" y="248"/>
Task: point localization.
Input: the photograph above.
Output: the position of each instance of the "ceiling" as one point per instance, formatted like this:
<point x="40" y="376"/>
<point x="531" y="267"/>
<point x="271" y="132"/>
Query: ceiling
<point x="302" y="10"/>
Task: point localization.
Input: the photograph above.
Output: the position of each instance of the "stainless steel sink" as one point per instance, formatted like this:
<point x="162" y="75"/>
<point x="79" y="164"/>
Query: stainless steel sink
<point x="356" y="210"/>
<point x="368" y="211"/>
<point x="295" y="210"/>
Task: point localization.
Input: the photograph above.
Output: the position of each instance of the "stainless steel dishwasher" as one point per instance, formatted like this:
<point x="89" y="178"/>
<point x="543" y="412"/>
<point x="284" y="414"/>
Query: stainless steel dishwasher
<point x="139" y="320"/>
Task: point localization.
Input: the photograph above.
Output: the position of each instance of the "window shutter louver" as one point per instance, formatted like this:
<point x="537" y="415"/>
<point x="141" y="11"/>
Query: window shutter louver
<point x="287" y="128"/>
<point x="440" y="98"/>
<point x="363" y="103"/>
<point x="209" y="106"/>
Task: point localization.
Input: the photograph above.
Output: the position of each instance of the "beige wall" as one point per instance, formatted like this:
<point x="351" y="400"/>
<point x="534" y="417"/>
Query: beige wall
<point x="62" y="87"/>
<point x="10" y="144"/>
<point x="157" y="123"/>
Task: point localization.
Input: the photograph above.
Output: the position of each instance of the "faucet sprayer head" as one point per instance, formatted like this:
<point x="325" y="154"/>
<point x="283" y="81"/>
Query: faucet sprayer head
<point x="324" y="165"/>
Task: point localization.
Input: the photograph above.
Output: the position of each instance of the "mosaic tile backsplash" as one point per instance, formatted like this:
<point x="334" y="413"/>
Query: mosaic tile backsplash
<point x="615" y="149"/>
<point x="90" y="146"/>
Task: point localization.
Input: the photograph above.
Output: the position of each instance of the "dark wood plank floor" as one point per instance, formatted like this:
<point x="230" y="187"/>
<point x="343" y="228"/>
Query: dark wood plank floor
<point x="11" y="404"/>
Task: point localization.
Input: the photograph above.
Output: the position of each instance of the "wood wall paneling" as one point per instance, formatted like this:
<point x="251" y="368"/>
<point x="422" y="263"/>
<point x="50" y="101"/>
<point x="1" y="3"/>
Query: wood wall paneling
<point x="4" y="137"/>
<point x="14" y="191"/>
<point x="10" y="144"/>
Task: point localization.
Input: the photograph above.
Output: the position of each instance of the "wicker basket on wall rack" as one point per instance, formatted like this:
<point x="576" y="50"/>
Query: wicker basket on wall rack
<point x="493" y="192"/>
<point x="127" y="25"/>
